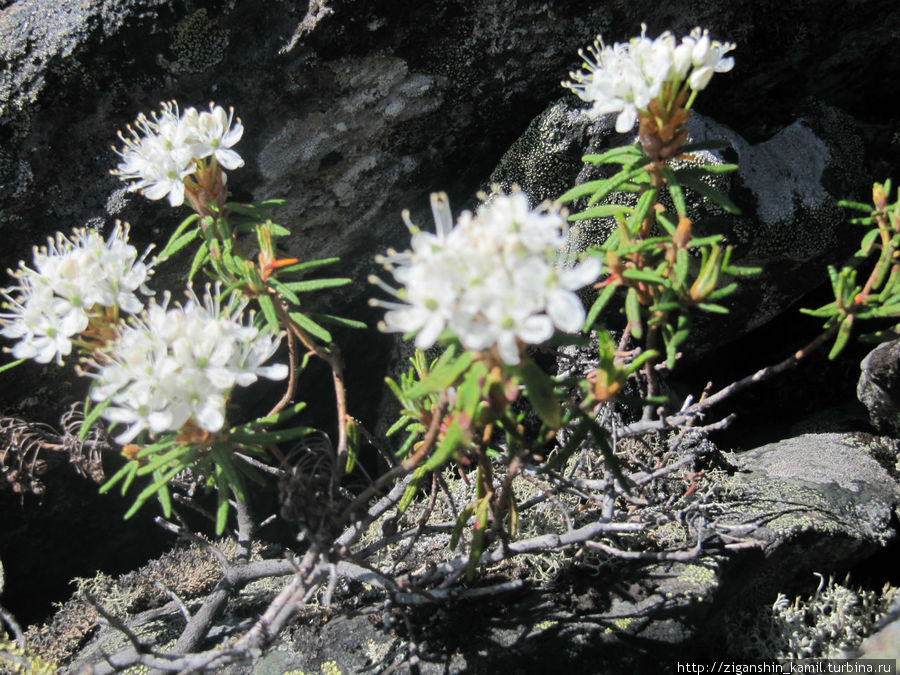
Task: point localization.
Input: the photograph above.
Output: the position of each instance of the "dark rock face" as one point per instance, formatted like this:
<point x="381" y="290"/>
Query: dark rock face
<point x="354" y="111"/>
<point x="374" y="106"/>
<point x="790" y="224"/>
<point x="879" y="387"/>
<point x="378" y="105"/>
<point x="355" y="114"/>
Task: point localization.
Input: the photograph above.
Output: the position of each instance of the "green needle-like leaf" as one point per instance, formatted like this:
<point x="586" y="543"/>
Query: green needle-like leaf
<point x="411" y="490"/>
<point x="644" y="204"/>
<point x="617" y="181"/>
<point x="633" y="313"/>
<point x="601" y="302"/>
<point x="635" y="274"/>
<point x="200" y="259"/>
<point x="267" y="305"/>
<point x="263" y="437"/>
<point x="710" y="193"/>
<point x="482" y="511"/>
<point x="401" y="423"/>
<point x="340" y="321"/>
<point x="623" y="154"/>
<point x="539" y="389"/>
<point x="316" y="284"/>
<point x="461" y="521"/>
<point x="180" y="238"/>
<point x="581" y="190"/>
<point x="307" y="266"/>
<point x="843" y="336"/>
<point x="280" y="417"/>
<point x="91" y="415"/>
<point x="601" y="211"/>
<point x="453" y="438"/>
<point x="675" y="191"/>
<point x="11" y="365"/>
<point x="221" y="510"/>
<point x="129" y="467"/>
<point x="858" y="206"/>
<point x="283" y="290"/>
<point x="311" y="326"/>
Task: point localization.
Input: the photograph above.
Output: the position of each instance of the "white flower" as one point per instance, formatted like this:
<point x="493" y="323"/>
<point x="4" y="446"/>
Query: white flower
<point x="212" y="134"/>
<point x="179" y="364"/>
<point x="157" y="156"/>
<point x="73" y="278"/>
<point x="490" y="280"/>
<point x="614" y="82"/>
<point x="625" y="77"/>
<point x="708" y="57"/>
<point x="162" y="151"/>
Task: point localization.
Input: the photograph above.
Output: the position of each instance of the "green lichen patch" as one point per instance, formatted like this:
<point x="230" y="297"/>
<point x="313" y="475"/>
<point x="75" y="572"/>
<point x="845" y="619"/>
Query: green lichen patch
<point x="198" y="42"/>
<point x="16" y="660"/>
<point x="188" y="571"/>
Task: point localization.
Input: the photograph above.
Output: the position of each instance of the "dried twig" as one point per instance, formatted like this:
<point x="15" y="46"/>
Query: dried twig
<point x="316" y="11"/>
<point x="176" y="599"/>
<point x="7" y="618"/>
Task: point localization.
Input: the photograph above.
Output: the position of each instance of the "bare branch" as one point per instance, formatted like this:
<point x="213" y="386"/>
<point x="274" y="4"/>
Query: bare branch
<point x="190" y="536"/>
<point x="316" y="11"/>
<point x="246" y="529"/>
<point x="292" y="376"/>
<point x="177" y="600"/>
<point x="262" y="466"/>
<point x="444" y="594"/>
<point x="420" y="527"/>
<point x="541" y="543"/>
<point x="139" y="645"/>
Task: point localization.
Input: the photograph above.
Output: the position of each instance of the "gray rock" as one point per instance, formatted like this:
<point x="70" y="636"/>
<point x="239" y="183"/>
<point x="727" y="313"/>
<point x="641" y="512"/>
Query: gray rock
<point x="879" y="387"/>
<point x="357" y="114"/>
<point x="834" y="485"/>
<point x="786" y="187"/>
<point x="815" y="503"/>
<point x="884" y="643"/>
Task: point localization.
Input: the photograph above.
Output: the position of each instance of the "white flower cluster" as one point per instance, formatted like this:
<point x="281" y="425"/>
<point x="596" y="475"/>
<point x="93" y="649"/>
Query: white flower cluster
<point x="72" y="278"/>
<point x="490" y="279"/>
<point x="178" y="364"/>
<point x="164" y="149"/>
<point x="625" y="77"/>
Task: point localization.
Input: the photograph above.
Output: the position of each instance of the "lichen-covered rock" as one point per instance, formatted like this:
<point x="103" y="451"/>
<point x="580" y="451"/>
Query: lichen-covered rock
<point x="833" y="485"/>
<point x="787" y="187"/>
<point x="812" y="503"/>
<point x="879" y="387"/>
<point x="545" y="161"/>
<point x="355" y="114"/>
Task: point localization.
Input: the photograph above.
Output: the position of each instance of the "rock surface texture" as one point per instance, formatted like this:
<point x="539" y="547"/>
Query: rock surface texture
<point x="354" y="110"/>
<point x="787" y="188"/>
<point x="813" y="503"/>
<point x="879" y="386"/>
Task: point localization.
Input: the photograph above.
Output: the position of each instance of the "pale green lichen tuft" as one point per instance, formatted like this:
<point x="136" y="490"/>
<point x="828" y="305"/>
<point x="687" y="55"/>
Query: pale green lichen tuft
<point x="187" y="571"/>
<point x="828" y="623"/>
